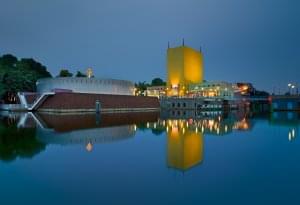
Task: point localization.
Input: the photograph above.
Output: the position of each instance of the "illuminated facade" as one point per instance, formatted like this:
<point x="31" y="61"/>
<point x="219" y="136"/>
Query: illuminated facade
<point x="213" y="90"/>
<point x="184" y="67"/>
<point x="156" y="91"/>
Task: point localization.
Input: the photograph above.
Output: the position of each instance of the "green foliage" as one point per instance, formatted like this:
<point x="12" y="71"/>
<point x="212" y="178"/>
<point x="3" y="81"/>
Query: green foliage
<point x="19" y="75"/>
<point x="158" y="82"/>
<point x="8" y="60"/>
<point x="65" y="73"/>
<point x="80" y="74"/>
<point x="142" y="86"/>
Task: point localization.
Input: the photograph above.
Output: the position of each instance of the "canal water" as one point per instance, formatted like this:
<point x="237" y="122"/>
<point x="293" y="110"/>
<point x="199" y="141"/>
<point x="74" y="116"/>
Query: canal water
<point x="150" y="158"/>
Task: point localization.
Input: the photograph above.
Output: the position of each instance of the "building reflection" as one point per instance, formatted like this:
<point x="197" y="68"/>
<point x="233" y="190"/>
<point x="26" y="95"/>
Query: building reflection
<point x="89" y="129"/>
<point x="185" y="136"/>
<point x="26" y="135"/>
<point x="289" y="120"/>
<point x="184" y="147"/>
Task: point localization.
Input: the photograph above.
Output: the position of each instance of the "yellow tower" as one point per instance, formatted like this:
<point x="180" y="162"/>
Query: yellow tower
<point x="184" y="67"/>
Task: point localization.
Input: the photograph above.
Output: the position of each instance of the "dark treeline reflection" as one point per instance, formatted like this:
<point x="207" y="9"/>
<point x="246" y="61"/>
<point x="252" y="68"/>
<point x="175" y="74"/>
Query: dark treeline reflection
<point x="17" y="142"/>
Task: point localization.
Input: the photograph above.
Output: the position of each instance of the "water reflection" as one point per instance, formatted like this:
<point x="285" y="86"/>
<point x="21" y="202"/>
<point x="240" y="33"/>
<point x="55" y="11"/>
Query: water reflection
<point x="185" y="145"/>
<point x="17" y="143"/>
<point x="26" y="135"/>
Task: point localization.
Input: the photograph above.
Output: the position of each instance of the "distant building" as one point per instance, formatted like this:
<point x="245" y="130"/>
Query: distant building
<point x="184" y="67"/>
<point x="156" y="91"/>
<point x="223" y="90"/>
<point x="245" y="89"/>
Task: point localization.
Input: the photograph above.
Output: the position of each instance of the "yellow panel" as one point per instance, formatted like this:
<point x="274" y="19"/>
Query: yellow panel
<point x="175" y="64"/>
<point x="193" y="66"/>
<point x="184" y="67"/>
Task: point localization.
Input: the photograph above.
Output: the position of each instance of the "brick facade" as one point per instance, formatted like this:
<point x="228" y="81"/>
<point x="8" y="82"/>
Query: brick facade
<point x="73" y="101"/>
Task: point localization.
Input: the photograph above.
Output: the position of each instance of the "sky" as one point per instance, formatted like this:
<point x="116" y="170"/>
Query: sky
<point x="254" y="41"/>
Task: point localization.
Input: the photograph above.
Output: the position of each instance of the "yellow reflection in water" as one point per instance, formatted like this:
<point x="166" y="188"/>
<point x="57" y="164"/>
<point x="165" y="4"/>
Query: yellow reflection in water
<point x="185" y="147"/>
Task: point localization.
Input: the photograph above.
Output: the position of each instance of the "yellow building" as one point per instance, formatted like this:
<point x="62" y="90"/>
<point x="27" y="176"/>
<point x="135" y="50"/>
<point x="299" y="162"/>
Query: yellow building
<point x="185" y="146"/>
<point x="184" y="67"/>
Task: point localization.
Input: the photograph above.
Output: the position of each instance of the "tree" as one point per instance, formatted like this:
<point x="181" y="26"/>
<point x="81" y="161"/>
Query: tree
<point x="157" y="82"/>
<point x="32" y="65"/>
<point x="8" y="60"/>
<point x="141" y="87"/>
<point x="19" y="75"/>
<point x="80" y="74"/>
<point x="65" y="73"/>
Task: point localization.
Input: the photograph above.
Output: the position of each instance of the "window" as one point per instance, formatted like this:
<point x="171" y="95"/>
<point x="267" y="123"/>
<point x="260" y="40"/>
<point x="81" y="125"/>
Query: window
<point x="178" y="104"/>
<point x="184" y="105"/>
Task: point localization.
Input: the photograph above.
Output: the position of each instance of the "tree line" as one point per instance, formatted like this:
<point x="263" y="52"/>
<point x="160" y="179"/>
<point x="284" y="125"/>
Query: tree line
<point x="20" y="75"/>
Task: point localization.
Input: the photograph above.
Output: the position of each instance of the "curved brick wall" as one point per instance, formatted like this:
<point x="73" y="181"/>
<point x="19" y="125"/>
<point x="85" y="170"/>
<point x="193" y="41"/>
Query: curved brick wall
<point x="67" y="101"/>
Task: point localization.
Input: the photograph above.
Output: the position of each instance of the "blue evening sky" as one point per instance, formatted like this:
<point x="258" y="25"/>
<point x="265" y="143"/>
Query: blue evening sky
<point x="255" y="40"/>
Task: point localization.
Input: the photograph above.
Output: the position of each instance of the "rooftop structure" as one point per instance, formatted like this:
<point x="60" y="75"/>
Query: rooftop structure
<point x="86" y="85"/>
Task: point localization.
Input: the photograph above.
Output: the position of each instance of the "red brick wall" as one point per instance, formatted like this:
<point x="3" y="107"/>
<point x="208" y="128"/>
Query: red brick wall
<point x="87" y="101"/>
<point x="31" y="98"/>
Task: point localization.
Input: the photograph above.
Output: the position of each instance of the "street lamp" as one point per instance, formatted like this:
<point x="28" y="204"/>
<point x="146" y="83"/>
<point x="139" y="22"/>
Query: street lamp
<point x="293" y="87"/>
<point x="290" y="86"/>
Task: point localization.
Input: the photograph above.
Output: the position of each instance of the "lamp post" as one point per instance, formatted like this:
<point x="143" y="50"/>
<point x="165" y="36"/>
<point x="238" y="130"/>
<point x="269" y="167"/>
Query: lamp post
<point x="290" y="85"/>
<point x="293" y="87"/>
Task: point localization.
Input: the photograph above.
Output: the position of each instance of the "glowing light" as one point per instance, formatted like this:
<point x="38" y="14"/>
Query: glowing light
<point x="89" y="72"/>
<point x="174" y="86"/>
<point x="211" y="123"/>
<point x="89" y="147"/>
<point x="293" y="133"/>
